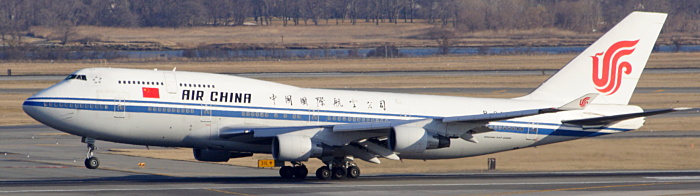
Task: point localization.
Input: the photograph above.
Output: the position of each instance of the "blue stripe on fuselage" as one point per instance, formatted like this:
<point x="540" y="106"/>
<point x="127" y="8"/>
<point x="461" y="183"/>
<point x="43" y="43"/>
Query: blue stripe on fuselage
<point x="110" y="105"/>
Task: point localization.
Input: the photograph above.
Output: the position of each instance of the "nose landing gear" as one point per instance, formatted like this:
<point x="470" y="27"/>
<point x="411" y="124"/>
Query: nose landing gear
<point x="91" y="162"/>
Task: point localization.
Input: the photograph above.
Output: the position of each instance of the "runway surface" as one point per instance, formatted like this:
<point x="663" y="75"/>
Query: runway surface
<point x="38" y="160"/>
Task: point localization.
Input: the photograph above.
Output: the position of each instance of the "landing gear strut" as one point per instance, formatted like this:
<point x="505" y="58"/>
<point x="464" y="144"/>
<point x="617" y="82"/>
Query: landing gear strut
<point x="297" y="170"/>
<point x="91" y="162"/>
<point x="341" y="167"/>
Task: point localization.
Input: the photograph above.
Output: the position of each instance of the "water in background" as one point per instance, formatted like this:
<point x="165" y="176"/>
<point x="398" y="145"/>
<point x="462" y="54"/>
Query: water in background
<point x="342" y="53"/>
<point x="303" y="53"/>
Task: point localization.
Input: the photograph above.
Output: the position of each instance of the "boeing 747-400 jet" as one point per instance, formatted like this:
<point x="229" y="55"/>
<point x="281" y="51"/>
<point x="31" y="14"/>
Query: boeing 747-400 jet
<point x="222" y="116"/>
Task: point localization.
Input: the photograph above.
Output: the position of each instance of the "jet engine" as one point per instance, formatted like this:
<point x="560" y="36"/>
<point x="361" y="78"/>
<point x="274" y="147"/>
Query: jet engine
<point x="296" y="148"/>
<point x="415" y="140"/>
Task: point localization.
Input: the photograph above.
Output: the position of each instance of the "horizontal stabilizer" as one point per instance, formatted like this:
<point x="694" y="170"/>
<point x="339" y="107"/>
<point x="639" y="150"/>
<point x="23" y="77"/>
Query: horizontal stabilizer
<point x="609" y="119"/>
<point x="580" y="103"/>
<point x="577" y="104"/>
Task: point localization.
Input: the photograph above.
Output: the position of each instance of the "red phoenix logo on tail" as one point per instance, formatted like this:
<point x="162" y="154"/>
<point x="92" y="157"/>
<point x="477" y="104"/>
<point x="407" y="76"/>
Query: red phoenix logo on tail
<point x="583" y="102"/>
<point x="608" y="76"/>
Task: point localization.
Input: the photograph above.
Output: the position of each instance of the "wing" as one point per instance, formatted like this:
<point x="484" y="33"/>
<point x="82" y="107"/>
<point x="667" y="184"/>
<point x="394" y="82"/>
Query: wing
<point x="368" y="140"/>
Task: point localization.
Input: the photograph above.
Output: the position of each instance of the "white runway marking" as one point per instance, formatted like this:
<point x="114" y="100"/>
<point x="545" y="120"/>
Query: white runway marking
<point x="199" y="187"/>
<point x="675" y="178"/>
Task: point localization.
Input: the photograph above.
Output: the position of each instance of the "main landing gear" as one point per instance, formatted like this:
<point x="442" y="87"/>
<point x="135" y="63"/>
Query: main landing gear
<point x="91" y="162"/>
<point x="296" y="171"/>
<point x="338" y="168"/>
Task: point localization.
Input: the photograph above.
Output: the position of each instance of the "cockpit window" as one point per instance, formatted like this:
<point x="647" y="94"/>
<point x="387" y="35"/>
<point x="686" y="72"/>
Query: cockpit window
<point x="77" y="77"/>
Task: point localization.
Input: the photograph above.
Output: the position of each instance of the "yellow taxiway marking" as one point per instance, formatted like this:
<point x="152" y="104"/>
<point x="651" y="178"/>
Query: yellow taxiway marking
<point x="658" y="91"/>
<point x="227" y="192"/>
<point x="499" y="91"/>
<point x="583" y="188"/>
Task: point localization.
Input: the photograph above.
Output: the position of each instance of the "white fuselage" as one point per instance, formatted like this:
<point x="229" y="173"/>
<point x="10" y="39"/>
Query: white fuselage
<point x="188" y="109"/>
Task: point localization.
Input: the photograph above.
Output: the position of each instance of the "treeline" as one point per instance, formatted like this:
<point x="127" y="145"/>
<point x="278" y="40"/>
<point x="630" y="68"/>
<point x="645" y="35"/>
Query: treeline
<point x="579" y="15"/>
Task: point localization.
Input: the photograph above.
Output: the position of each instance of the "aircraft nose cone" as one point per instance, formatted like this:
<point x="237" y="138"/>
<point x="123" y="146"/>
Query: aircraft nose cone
<point x="29" y="107"/>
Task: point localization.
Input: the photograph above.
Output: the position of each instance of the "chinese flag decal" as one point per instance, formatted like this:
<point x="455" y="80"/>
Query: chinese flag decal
<point x="150" y="92"/>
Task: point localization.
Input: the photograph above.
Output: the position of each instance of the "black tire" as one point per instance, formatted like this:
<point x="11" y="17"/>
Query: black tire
<point x="353" y="172"/>
<point x="300" y="172"/>
<point x="338" y="173"/>
<point x="323" y="173"/>
<point x="92" y="163"/>
<point x="287" y="172"/>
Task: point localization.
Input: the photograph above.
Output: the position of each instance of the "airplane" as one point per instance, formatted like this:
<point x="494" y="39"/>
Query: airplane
<point x="222" y="116"/>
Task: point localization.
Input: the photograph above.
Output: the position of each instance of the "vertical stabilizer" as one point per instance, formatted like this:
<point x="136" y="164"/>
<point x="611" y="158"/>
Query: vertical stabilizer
<point x="611" y="66"/>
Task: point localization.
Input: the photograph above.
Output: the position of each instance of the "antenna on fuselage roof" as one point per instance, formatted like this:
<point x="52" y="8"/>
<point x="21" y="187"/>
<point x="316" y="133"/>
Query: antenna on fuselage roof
<point x="174" y="68"/>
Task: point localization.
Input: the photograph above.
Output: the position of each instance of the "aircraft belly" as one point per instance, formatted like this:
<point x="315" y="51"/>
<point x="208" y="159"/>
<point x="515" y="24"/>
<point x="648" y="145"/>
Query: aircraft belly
<point x="157" y="129"/>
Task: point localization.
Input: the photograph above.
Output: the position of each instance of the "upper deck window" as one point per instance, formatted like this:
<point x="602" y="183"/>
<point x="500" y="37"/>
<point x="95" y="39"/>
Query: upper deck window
<point x="77" y="77"/>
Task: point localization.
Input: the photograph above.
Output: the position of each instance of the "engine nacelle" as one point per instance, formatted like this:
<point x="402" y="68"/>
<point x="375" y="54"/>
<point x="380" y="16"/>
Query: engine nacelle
<point x="415" y="140"/>
<point x="296" y="148"/>
<point x="211" y="155"/>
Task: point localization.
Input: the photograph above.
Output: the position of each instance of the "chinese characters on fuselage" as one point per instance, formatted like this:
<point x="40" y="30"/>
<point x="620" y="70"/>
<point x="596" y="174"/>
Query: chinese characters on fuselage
<point x="321" y="102"/>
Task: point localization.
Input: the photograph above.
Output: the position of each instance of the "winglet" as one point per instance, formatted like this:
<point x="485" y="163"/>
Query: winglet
<point x="580" y="103"/>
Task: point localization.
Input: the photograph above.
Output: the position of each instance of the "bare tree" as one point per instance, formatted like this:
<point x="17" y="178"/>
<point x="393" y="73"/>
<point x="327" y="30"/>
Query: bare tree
<point x="579" y="16"/>
<point x="241" y="10"/>
<point x="12" y="21"/>
<point x="65" y="32"/>
<point x="219" y="12"/>
<point x="313" y="10"/>
<point x="536" y="17"/>
<point x="443" y="37"/>
<point x="114" y="13"/>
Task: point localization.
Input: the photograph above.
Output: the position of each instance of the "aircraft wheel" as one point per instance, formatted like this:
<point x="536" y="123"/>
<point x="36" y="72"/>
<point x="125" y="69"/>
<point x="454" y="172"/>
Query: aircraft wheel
<point x="92" y="163"/>
<point x="300" y="172"/>
<point x="323" y="173"/>
<point x="287" y="172"/>
<point x="338" y="173"/>
<point x="353" y="172"/>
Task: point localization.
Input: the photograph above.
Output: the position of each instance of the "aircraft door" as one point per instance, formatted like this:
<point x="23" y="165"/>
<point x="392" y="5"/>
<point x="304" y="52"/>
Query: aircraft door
<point x="170" y="82"/>
<point x="532" y="131"/>
<point x="205" y="113"/>
<point x="119" y="108"/>
<point x="314" y="116"/>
